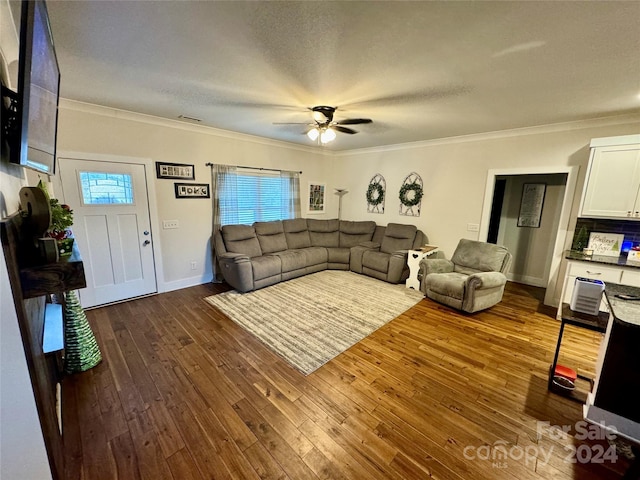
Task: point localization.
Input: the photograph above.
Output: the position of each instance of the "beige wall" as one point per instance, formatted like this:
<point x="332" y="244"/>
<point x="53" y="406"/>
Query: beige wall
<point x="454" y="172"/>
<point x="96" y="132"/>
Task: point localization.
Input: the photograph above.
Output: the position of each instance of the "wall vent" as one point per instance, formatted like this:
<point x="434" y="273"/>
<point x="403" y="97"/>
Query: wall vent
<point x="191" y="119"/>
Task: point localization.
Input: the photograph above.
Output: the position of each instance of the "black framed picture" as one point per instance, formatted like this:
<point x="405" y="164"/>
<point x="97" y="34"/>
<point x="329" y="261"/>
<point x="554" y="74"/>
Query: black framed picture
<point x="179" y="171"/>
<point x="531" y="204"/>
<point x="192" y="190"/>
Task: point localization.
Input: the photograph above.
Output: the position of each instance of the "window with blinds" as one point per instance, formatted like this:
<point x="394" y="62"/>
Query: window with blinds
<point x="256" y="198"/>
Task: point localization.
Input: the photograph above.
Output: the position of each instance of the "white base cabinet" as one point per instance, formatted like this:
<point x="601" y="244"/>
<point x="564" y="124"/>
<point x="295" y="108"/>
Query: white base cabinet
<point x="597" y="271"/>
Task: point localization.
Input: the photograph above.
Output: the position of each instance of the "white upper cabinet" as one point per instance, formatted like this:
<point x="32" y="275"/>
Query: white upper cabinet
<point x="612" y="187"/>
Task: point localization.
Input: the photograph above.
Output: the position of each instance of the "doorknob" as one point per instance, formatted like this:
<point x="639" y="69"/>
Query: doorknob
<point x="146" y="242"/>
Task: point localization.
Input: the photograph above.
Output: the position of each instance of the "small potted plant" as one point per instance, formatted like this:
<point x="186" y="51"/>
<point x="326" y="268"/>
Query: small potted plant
<point x="60" y="226"/>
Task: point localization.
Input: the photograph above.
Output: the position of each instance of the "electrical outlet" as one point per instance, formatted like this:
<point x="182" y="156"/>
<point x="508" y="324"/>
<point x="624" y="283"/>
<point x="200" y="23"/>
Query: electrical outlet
<point x="473" y="227"/>
<point x="168" y="224"/>
<point x="193" y="265"/>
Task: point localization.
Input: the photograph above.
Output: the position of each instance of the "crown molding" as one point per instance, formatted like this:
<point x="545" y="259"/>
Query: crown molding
<point x="78" y="106"/>
<point x="475" y="137"/>
<point x="515" y="132"/>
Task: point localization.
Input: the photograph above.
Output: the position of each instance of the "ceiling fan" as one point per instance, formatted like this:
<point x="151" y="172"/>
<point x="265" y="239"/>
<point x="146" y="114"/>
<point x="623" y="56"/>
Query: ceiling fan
<point x="324" y="128"/>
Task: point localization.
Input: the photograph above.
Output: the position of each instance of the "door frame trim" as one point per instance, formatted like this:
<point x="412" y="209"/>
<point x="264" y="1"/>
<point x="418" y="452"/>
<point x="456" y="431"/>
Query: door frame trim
<point x="551" y="297"/>
<point x="151" y="198"/>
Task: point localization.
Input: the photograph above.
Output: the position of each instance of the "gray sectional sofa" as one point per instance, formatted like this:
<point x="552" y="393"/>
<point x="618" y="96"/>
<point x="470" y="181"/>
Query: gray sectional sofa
<point x="265" y="253"/>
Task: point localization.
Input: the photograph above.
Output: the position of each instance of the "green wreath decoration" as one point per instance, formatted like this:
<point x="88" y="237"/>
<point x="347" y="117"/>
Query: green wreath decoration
<point x="417" y="194"/>
<point x="375" y="188"/>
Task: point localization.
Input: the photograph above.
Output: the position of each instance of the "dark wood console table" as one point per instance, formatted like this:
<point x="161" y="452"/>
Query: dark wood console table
<point x="31" y="284"/>
<point x="596" y="323"/>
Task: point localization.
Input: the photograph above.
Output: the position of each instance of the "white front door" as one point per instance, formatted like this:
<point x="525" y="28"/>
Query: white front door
<point x="112" y="227"/>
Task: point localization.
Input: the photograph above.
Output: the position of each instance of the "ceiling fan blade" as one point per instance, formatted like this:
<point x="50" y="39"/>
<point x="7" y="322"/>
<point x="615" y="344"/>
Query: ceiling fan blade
<point x="424" y="95"/>
<point x="344" y="129"/>
<point x="354" y="121"/>
<point x="292" y="123"/>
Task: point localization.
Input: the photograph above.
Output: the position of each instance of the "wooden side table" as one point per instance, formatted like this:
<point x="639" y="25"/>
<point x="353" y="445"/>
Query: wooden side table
<point x="413" y="260"/>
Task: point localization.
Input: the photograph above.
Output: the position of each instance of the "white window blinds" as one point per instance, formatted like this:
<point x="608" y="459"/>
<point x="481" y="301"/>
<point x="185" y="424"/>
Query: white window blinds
<point x="259" y="197"/>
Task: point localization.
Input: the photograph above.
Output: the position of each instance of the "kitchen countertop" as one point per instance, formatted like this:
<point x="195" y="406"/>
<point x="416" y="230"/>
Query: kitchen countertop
<point x="627" y="311"/>
<point x="620" y="261"/>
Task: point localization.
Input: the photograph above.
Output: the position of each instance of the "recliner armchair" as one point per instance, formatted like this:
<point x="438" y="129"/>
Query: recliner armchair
<point x="473" y="280"/>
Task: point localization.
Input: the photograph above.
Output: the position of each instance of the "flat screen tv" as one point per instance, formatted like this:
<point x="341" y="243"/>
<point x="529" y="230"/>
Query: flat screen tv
<point x="38" y="92"/>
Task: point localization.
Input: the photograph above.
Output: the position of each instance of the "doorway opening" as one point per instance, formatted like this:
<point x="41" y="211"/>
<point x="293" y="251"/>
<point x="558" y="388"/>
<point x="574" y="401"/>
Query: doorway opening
<point x="496" y="210"/>
<point x="537" y="250"/>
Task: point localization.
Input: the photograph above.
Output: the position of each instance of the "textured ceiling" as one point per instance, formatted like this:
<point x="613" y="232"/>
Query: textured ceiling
<point x="420" y="70"/>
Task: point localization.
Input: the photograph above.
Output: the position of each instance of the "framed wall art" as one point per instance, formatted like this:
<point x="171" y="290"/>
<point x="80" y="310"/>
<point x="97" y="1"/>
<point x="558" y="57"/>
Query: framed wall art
<point x="531" y="204"/>
<point x="316" y="198"/>
<point x="376" y="194"/>
<point x="192" y="190"/>
<point x="178" y="171"/>
<point x="410" y="195"/>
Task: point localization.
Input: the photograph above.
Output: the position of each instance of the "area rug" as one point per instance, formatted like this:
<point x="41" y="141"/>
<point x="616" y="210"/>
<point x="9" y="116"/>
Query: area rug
<point x="311" y="319"/>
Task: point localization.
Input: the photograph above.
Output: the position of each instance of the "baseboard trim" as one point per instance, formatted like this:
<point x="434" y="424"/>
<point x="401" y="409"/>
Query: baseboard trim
<point x="527" y="280"/>
<point x="184" y="283"/>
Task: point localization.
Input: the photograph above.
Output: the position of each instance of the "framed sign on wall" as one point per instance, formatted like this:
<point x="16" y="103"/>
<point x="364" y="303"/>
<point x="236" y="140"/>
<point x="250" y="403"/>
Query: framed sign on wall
<point x="192" y="190"/>
<point x="179" y="171"/>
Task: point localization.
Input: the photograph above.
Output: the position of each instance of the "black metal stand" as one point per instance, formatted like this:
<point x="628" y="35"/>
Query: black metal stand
<point x="596" y="323"/>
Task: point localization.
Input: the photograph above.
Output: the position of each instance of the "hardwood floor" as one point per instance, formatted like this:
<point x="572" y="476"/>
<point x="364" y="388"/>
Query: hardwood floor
<point x="184" y="393"/>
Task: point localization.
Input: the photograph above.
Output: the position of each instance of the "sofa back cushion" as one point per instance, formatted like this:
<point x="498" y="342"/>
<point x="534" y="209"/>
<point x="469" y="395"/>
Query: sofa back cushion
<point x="472" y="256"/>
<point x="398" y="237"/>
<point x="241" y="239"/>
<point x="324" y="233"/>
<point x="296" y="233"/>
<point x="378" y="234"/>
<point x="271" y="236"/>
<point x="354" y="233"/>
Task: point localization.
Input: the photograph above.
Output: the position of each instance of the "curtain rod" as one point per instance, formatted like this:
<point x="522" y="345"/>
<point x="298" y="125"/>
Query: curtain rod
<point x="209" y="164"/>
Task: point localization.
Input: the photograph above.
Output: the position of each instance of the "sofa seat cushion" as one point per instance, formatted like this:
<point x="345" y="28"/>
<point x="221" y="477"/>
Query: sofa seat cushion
<point x="398" y="237"/>
<point x="324" y="233"/>
<point x="271" y="236"/>
<point x="241" y="239"/>
<point x="374" y="260"/>
<point x="338" y="255"/>
<point x="296" y="233"/>
<point x="291" y="260"/>
<point x="447" y="284"/>
<point x="315" y="255"/>
<point x="266" y="266"/>
<point x="354" y="233"/>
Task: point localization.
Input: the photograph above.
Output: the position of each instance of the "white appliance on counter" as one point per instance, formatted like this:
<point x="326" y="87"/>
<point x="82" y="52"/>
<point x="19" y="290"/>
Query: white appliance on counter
<point x="587" y="294"/>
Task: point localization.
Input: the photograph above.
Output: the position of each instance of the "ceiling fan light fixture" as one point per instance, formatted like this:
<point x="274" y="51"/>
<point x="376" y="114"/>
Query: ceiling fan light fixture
<point x="319" y="117"/>
<point x="328" y="135"/>
<point x="313" y="134"/>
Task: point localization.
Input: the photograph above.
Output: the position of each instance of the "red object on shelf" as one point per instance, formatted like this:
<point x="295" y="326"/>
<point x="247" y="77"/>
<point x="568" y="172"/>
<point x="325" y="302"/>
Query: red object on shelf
<point x="566" y="372"/>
